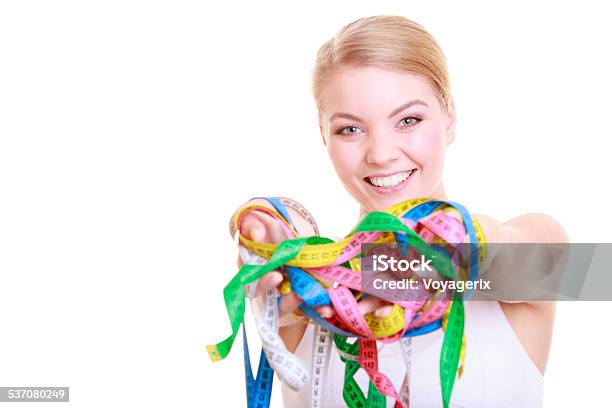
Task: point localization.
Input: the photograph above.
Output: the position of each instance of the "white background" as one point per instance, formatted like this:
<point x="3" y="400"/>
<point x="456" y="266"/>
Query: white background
<point x="130" y="131"/>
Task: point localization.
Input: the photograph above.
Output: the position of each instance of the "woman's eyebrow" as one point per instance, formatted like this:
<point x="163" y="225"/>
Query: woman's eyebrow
<point x="406" y="106"/>
<point x="392" y="114"/>
<point x="344" y="115"/>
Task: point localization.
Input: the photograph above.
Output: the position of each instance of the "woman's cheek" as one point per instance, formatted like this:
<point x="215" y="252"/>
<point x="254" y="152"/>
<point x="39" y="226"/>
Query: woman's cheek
<point x="344" y="156"/>
<point x="427" y="147"/>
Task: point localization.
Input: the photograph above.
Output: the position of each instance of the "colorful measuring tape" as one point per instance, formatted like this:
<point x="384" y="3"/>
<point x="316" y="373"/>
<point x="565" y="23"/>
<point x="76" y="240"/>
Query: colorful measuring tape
<point x="308" y="262"/>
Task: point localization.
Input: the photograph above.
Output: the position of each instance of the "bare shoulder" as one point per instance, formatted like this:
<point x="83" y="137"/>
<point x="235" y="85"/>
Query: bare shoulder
<point x="525" y="228"/>
<point x="536" y="227"/>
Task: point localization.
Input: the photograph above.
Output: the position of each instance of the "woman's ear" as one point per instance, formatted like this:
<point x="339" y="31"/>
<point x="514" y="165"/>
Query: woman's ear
<point x="452" y="121"/>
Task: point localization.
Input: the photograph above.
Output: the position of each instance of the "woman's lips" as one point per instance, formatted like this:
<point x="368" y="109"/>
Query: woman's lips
<point x="391" y="189"/>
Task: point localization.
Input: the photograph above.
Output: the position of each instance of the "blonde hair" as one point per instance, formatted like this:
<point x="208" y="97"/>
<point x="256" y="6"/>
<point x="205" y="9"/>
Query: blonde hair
<point x="391" y="42"/>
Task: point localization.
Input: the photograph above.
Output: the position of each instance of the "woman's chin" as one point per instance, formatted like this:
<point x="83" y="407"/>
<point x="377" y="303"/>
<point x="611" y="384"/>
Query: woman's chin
<point x="377" y="203"/>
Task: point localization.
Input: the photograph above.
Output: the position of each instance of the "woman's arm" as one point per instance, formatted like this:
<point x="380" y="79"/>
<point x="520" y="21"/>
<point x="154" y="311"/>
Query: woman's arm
<point x="527" y="228"/>
<point x="261" y="227"/>
<point x="532" y="228"/>
<point x="532" y="320"/>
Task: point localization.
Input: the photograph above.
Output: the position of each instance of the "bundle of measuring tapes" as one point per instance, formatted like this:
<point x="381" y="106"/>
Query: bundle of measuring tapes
<point x="309" y="263"/>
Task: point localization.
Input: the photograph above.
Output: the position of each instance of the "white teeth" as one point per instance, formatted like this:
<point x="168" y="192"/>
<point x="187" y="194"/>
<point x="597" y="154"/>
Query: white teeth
<point x="390" y="181"/>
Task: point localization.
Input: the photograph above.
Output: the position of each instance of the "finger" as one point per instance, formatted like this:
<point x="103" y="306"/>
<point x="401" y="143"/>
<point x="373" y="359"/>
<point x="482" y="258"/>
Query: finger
<point x="369" y="304"/>
<point x="383" y="311"/>
<point x="289" y="303"/>
<point x="325" y="311"/>
<point x="262" y="227"/>
<point x="269" y="281"/>
<point x="252" y="228"/>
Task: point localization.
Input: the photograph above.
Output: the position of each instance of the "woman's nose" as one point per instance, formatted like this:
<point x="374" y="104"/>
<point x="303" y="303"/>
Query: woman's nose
<point x="382" y="148"/>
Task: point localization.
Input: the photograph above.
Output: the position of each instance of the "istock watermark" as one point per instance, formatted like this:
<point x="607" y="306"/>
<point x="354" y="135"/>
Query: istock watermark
<point x="382" y="263"/>
<point x="520" y="272"/>
<point x="431" y="284"/>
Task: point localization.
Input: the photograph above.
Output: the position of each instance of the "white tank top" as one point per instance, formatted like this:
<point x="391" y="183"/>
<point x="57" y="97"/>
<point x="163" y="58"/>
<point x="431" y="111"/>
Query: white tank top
<point x="498" y="372"/>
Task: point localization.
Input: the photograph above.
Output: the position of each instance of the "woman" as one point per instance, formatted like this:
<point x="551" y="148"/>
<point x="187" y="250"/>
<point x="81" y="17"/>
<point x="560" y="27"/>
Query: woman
<point x="386" y="116"/>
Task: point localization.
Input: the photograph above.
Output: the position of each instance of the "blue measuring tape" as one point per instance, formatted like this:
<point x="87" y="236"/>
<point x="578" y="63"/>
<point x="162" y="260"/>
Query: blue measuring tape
<point x="259" y="388"/>
<point x="425" y="209"/>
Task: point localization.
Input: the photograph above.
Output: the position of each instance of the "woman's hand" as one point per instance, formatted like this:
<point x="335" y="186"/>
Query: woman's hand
<point x="261" y="227"/>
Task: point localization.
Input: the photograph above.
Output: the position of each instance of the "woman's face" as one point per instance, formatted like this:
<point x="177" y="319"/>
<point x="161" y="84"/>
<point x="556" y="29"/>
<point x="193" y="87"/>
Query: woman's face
<point x="386" y="135"/>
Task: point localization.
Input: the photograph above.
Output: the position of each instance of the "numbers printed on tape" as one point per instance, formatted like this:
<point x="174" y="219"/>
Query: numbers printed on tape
<point x="310" y="264"/>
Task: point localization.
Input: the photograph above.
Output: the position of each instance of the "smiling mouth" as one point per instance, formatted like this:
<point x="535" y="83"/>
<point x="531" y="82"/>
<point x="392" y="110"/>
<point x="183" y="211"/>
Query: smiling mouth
<point x="392" y="181"/>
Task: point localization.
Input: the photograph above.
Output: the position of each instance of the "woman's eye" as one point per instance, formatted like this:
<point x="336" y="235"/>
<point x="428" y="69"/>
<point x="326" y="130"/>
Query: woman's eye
<point x="348" y="130"/>
<point x="410" y="120"/>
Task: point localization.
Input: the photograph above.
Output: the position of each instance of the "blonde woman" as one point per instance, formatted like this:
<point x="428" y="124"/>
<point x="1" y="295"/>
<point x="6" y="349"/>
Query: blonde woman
<point x="386" y="117"/>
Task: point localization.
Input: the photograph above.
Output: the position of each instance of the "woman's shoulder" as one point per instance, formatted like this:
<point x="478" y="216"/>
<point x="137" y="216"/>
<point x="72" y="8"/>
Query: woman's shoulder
<point x="532" y="227"/>
<point x="528" y="228"/>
